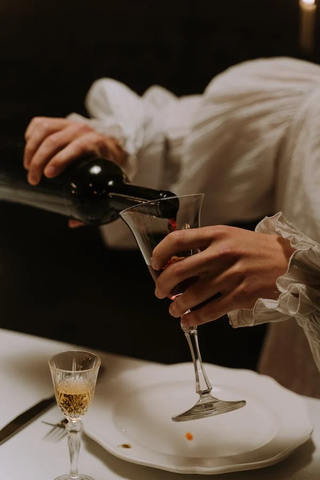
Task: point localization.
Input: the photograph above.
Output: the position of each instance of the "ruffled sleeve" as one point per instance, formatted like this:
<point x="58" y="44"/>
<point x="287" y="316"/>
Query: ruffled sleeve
<point x="299" y="288"/>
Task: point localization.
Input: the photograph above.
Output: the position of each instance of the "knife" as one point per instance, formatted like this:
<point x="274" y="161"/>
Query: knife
<point x="22" y="420"/>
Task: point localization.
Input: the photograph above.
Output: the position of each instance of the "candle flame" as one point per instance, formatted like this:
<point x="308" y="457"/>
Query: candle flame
<point x="309" y="2"/>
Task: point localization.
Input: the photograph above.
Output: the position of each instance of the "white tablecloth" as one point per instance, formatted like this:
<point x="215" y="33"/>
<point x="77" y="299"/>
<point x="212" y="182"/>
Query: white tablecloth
<point x="29" y="455"/>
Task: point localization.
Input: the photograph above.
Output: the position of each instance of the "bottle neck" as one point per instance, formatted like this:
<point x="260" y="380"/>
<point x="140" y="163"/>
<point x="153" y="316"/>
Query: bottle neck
<point x="129" y="195"/>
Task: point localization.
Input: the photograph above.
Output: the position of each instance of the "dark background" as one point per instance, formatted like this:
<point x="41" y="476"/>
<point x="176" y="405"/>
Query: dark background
<point x="65" y="284"/>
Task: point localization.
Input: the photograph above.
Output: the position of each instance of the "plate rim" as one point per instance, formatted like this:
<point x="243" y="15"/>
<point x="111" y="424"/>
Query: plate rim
<point x="244" y="376"/>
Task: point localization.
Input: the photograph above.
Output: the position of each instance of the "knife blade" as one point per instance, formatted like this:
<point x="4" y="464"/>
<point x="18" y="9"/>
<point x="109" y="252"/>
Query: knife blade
<point x="26" y="417"/>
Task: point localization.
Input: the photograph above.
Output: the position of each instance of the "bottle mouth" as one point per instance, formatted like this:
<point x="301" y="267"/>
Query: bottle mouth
<point x="173" y="200"/>
<point x="166" y="205"/>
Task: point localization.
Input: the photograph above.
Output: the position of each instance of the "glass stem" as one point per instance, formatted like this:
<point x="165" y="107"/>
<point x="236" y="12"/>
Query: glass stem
<point x="203" y="385"/>
<point x="74" y="429"/>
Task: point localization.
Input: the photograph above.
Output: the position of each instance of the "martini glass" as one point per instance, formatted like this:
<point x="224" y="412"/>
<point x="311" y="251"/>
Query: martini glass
<point x="150" y="222"/>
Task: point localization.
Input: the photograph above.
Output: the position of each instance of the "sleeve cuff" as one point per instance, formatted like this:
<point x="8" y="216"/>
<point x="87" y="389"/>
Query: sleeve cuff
<point x="300" y="286"/>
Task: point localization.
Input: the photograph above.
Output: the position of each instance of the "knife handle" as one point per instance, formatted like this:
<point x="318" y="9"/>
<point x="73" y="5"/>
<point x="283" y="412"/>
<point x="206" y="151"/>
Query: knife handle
<point x="24" y="418"/>
<point x="35" y="410"/>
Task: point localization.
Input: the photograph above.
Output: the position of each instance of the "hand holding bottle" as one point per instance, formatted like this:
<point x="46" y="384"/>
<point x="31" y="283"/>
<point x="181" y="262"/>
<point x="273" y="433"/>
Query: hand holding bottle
<point x="239" y="264"/>
<point x="92" y="189"/>
<point x="53" y="143"/>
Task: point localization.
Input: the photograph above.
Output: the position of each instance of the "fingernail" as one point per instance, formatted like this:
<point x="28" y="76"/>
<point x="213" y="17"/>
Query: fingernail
<point x="33" y="179"/>
<point x="154" y="265"/>
<point x="159" y="294"/>
<point x="172" y="310"/>
<point x="50" y="171"/>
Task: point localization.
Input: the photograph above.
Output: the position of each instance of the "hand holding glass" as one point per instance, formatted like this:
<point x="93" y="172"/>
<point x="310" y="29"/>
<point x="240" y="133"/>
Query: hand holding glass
<point x="149" y="227"/>
<point x="74" y="375"/>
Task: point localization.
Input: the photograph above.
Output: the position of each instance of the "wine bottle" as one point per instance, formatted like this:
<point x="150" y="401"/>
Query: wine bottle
<point x="92" y="189"/>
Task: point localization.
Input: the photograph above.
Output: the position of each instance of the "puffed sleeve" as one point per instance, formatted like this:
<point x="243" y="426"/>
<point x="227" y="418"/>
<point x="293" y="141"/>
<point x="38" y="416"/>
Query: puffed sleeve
<point x="299" y="288"/>
<point x="232" y="150"/>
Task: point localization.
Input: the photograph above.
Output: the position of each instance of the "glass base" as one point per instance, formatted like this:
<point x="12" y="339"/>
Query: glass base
<point x="79" y="477"/>
<point x="208" y="407"/>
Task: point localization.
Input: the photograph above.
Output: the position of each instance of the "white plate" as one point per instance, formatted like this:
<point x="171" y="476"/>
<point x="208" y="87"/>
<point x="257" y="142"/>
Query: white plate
<point x="131" y="418"/>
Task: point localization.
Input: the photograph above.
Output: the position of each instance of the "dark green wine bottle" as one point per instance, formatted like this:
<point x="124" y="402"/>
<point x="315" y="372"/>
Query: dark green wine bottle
<point x="93" y="190"/>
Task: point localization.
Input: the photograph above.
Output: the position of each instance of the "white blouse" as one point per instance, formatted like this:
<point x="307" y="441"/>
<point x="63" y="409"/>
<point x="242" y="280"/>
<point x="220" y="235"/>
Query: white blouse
<point x="251" y="143"/>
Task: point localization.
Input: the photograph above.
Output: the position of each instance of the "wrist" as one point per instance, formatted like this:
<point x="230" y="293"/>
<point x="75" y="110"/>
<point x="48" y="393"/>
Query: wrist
<point x="287" y="249"/>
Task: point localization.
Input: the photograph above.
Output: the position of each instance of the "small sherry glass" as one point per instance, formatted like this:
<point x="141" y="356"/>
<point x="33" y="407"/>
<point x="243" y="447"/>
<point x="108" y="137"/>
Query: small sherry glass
<point x="74" y="375"/>
<point x="149" y="226"/>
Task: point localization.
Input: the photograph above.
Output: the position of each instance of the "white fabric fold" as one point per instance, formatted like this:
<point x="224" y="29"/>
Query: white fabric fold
<point x="234" y="148"/>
